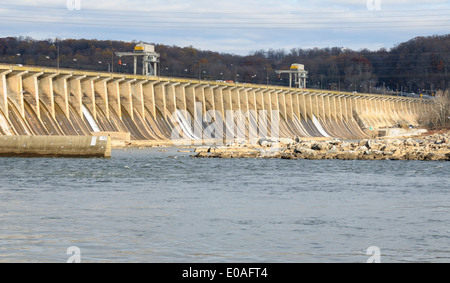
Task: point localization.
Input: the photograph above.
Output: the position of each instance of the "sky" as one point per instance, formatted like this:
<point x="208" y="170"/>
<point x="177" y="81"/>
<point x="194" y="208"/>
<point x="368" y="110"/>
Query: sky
<point x="233" y="26"/>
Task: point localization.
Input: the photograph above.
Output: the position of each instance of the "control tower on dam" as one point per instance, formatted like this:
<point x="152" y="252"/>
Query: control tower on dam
<point x="46" y="101"/>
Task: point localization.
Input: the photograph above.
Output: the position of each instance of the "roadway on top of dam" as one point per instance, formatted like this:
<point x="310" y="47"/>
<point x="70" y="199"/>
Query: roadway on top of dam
<point x="104" y="75"/>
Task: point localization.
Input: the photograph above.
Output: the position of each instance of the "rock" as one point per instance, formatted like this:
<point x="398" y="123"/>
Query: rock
<point x="362" y="143"/>
<point x="215" y="155"/>
<point x="218" y="149"/>
<point x="346" y="156"/>
<point x="375" y="152"/>
<point x="335" y="142"/>
<point x="320" y="146"/>
<point x="430" y="148"/>
<point x="249" y="154"/>
<point x="375" y="155"/>
<point x="387" y="153"/>
<point x="303" y="150"/>
<point x="306" y="144"/>
<point x="264" y="143"/>
<point x="410" y="156"/>
<point x="396" y="157"/>
<point x="409" y="142"/>
<point x="387" y="148"/>
<point x="201" y="154"/>
<point x="362" y="148"/>
<point x="345" y="145"/>
<point x="329" y="156"/>
<point x="268" y="142"/>
<point x="288" y="156"/>
<point x="314" y="156"/>
<point x="286" y="141"/>
<point x="433" y="157"/>
<point x="396" y="143"/>
<point x="225" y="155"/>
<point x="333" y="150"/>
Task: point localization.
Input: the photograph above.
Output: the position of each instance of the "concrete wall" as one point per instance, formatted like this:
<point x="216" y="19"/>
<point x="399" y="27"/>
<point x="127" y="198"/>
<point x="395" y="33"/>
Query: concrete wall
<point x="57" y="146"/>
<point x="38" y="101"/>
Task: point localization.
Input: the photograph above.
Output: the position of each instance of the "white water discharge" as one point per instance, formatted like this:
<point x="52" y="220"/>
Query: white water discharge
<point x="319" y="127"/>
<point x="90" y="120"/>
<point x="4" y="126"/>
<point x="299" y="126"/>
<point x="185" y="125"/>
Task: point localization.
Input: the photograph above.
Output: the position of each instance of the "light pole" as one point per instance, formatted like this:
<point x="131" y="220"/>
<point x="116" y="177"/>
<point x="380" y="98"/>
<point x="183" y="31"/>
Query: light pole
<point x="57" y="55"/>
<point x="236" y="75"/>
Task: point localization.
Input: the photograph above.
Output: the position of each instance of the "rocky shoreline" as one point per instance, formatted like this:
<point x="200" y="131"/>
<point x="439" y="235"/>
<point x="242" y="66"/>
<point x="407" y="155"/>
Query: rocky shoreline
<point x="428" y="147"/>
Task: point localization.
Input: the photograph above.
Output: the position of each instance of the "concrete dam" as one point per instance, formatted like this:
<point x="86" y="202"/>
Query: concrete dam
<point x="37" y="101"/>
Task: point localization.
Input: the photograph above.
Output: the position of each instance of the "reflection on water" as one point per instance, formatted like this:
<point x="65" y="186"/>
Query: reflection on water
<point x="163" y="206"/>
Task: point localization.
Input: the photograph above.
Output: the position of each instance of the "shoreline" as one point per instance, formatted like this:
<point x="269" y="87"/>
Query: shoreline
<point x="431" y="145"/>
<point x="426" y="147"/>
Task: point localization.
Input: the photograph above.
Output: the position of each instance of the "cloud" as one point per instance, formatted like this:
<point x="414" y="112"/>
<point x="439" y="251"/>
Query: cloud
<point x="231" y="26"/>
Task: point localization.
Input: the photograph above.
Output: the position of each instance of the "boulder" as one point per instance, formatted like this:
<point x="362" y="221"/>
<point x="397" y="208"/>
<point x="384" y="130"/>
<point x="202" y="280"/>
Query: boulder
<point x="314" y="156"/>
<point x="345" y="145"/>
<point x="320" y="146"/>
<point x="201" y="154"/>
<point x="264" y="143"/>
<point x="225" y="155"/>
<point x="335" y="142"/>
<point x="433" y="157"/>
<point x="333" y="150"/>
<point x="347" y="156"/>
<point x="362" y="142"/>
<point x="409" y="142"/>
<point x="395" y="143"/>
<point x="286" y="141"/>
<point x="362" y="148"/>
<point x="410" y="156"/>
<point x="303" y="150"/>
<point x="201" y="149"/>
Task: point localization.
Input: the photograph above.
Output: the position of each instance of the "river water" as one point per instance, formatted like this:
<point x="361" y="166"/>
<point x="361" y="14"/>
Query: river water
<point x="164" y="206"/>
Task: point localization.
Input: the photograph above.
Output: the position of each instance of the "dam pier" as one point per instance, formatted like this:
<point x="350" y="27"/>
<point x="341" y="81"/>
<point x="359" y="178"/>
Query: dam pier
<point x="37" y="101"/>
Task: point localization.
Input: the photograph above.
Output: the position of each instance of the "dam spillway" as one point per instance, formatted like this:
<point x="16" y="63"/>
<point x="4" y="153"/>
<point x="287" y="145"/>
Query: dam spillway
<point x="45" y="101"/>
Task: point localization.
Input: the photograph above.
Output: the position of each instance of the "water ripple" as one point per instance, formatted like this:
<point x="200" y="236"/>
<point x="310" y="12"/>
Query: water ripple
<point x="143" y="206"/>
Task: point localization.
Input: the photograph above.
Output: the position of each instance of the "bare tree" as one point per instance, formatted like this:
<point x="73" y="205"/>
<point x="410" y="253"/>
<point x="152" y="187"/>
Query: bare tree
<point x="440" y="111"/>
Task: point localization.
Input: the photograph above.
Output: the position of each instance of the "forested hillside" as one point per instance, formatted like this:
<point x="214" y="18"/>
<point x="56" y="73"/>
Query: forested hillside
<point x="419" y="65"/>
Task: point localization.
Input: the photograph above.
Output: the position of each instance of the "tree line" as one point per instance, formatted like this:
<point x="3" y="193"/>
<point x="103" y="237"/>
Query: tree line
<point x="420" y="65"/>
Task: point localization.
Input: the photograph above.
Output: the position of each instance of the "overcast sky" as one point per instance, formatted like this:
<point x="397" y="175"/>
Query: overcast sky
<point x="231" y="26"/>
